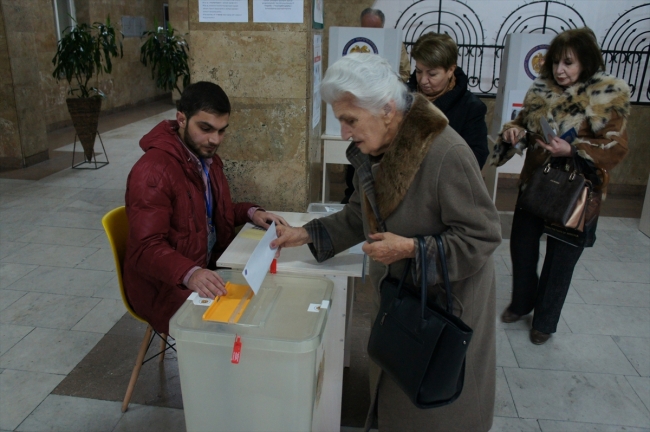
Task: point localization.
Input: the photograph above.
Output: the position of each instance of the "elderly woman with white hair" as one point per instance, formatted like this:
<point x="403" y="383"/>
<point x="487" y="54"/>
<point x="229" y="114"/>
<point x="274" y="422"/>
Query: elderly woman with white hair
<point x="415" y="176"/>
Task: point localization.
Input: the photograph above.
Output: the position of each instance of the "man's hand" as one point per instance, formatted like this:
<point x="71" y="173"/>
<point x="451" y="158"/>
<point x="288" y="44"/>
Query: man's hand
<point x="389" y="248"/>
<point x="264" y="219"/>
<point x="289" y="237"/>
<point x="557" y="147"/>
<point x="207" y="284"/>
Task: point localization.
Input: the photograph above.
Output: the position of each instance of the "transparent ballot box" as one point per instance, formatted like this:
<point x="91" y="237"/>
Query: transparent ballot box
<point x="276" y="384"/>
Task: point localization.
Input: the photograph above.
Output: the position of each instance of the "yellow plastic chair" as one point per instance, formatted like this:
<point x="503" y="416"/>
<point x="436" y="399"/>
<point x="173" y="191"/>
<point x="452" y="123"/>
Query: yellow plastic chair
<point x="116" y="225"/>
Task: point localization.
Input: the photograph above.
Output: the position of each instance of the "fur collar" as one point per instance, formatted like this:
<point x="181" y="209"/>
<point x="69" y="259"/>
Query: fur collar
<point x="401" y="162"/>
<point x="592" y="101"/>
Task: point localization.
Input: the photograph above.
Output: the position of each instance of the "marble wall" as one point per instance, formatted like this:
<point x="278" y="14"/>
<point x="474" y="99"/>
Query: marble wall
<point x="28" y="45"/>
<point x="265" y="71"/>
<point x="10" y="154"/>
<point x="28" y="40"/>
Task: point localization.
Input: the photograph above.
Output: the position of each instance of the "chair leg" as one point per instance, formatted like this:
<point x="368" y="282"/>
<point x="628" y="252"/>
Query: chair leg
<point x="136" y="368"/>
<point x="163" y="347"/>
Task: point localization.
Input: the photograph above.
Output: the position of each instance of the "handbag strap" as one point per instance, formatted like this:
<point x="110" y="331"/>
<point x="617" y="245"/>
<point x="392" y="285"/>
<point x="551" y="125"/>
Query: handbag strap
<point x="445" y="274"/>
<point x="423" y="274"/>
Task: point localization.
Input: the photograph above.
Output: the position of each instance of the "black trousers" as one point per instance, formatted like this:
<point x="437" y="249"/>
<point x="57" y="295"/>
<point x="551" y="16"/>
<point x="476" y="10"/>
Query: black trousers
<point x="544" y="294"/>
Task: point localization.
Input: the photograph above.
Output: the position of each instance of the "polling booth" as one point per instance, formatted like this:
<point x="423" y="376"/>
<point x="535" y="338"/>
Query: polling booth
<point x="342" y="41"/>
<point x="523" y="57"/>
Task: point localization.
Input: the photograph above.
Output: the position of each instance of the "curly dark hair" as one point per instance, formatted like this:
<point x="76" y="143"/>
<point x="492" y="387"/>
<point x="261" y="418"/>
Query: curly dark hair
<point x="583" y="44"/>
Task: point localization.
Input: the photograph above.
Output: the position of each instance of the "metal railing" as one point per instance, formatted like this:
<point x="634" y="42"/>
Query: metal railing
<point x="625" y="47"/>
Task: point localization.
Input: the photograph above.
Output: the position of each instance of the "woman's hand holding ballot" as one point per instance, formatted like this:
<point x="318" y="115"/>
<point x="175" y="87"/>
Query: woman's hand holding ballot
<point x="289" y="237"/>
<point x="556" y="146"/>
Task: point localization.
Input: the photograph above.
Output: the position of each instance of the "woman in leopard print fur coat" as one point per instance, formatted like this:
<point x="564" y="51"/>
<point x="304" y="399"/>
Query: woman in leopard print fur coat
<point x="572" y="92"/>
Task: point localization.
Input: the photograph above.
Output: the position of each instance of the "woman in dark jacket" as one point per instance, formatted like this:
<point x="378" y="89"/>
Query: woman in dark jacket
<point x="444" y="84"/>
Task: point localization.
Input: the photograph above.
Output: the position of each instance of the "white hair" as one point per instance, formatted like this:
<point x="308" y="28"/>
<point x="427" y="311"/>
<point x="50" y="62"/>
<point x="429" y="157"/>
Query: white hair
<point x="369" y="78"/>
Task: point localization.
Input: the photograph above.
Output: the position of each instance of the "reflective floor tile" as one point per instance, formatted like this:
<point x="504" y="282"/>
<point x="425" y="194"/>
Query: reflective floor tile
<point x="72" y="220"/>
<point x="629" y="237"/>
<point x="570" y="352"/>
<point x="21" y="392"/>
<point x="48" y="310"/>
<point x="607" y="320"/>
<point x="619" y="271"/>
<point x="573" y="396"/>
<point x="9" y="297"/>
<point x="641" y="386"/>
<point x="631" y="253"/>
<point x="613" y="293"/>
<point x="50" y="255"/>
<point x="63" y="280"/>
<point x="61" y="236"/>
<point x="503" y="404"/>
<point x="10" y="335"/>
<point x="8" y="247"/>
<point x="110" y="290"/>
<point x="10" y="272"/>
<point x="637" y="350"/>
<point x="151" y="419"/>
<point x="12" y="233"/>
<point x="81" y="415"/>
<point x="505" y="424"/>
<point x="102" y="317"/>
<point x="505" y="356"/>
<point x="49" y="351"/>
<point x="101" y="260"/>
<point x="563" y="426"/>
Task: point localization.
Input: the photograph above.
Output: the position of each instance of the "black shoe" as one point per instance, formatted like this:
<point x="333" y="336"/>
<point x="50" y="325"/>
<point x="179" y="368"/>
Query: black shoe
<point x="509" y="317"/>
<point x="539" y="338"/>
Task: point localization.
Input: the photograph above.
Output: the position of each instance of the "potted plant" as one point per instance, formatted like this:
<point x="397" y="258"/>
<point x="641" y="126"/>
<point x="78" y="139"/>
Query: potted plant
<point x="167" y="54"/>
<point x="85" y="51"/>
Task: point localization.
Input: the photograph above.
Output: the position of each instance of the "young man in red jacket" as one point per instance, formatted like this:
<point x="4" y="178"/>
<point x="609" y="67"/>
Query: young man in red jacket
<point x="181" y="215"/>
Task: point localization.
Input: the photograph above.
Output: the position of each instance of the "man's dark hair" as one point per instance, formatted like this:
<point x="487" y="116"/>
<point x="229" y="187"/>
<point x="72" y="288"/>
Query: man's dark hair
<point x="584" y="45"/>
<point x="203" y="96"/>
<point x="375" y="12"/>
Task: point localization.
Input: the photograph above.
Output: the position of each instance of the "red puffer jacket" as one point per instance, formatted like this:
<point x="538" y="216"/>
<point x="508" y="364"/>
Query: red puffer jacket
<point x="167" y="224"/>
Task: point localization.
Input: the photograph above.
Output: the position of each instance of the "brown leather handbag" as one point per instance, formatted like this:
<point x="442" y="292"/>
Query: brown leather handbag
<point x="586" y="237"/>
<point x="558" y="194"/>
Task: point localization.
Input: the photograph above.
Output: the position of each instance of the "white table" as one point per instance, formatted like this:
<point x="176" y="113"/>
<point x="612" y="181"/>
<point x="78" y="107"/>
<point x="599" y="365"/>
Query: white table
<point x="341" y="270"/>
<point x="334" y="148"/>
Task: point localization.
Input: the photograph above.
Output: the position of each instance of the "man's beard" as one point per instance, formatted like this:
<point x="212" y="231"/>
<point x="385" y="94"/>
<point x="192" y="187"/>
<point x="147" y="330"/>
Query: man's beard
<point x="194" y="147"/>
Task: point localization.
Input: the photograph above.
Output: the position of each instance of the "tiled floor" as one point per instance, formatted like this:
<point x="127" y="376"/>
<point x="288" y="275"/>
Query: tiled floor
<point x="62" y="321"/>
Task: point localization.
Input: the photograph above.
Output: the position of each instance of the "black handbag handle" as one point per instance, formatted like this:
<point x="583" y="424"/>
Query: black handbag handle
<point x="445" y="274"/>
<point x="423" y="274"/>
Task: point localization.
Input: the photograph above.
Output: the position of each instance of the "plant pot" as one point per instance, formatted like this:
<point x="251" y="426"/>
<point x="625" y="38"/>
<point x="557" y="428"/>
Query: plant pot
<point x="85" y="118"/>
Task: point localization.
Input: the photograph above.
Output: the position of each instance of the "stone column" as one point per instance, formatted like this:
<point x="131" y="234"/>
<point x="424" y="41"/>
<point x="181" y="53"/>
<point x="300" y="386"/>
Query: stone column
<point x="26" y="39"/>
<point x="264" y="69"/>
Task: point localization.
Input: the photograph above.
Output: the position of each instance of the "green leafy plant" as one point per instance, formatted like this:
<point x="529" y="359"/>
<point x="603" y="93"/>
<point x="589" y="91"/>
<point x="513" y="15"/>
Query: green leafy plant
<point x="167" y="54"/>
<point x="85" y="51"/>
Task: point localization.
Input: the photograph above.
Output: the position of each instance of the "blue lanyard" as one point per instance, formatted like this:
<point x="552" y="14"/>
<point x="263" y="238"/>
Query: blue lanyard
<point x="208" y="194"/>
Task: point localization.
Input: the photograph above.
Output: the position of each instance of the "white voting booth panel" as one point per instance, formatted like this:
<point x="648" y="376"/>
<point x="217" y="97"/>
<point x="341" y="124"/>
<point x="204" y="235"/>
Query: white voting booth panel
<point x="345" y="40"/>
<point x="342" y="41"/>
<point x="523" y="57"/>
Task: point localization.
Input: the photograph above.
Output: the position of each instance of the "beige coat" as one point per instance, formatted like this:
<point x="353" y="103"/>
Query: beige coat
<point x="428" y="182"/>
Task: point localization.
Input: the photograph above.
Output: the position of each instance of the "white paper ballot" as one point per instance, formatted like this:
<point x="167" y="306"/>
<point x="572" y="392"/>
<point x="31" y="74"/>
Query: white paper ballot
<point x="260" y="260"/>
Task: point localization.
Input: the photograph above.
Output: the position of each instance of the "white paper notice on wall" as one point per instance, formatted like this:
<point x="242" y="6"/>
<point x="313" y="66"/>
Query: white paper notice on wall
<point x="260" y="260"/>
<point x="278" y="11"/>
<point x="223" y="10"/>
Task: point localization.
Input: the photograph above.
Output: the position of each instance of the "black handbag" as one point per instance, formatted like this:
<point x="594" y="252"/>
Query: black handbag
<point x="421" y="347"/>
<point x="558" y="193"/>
